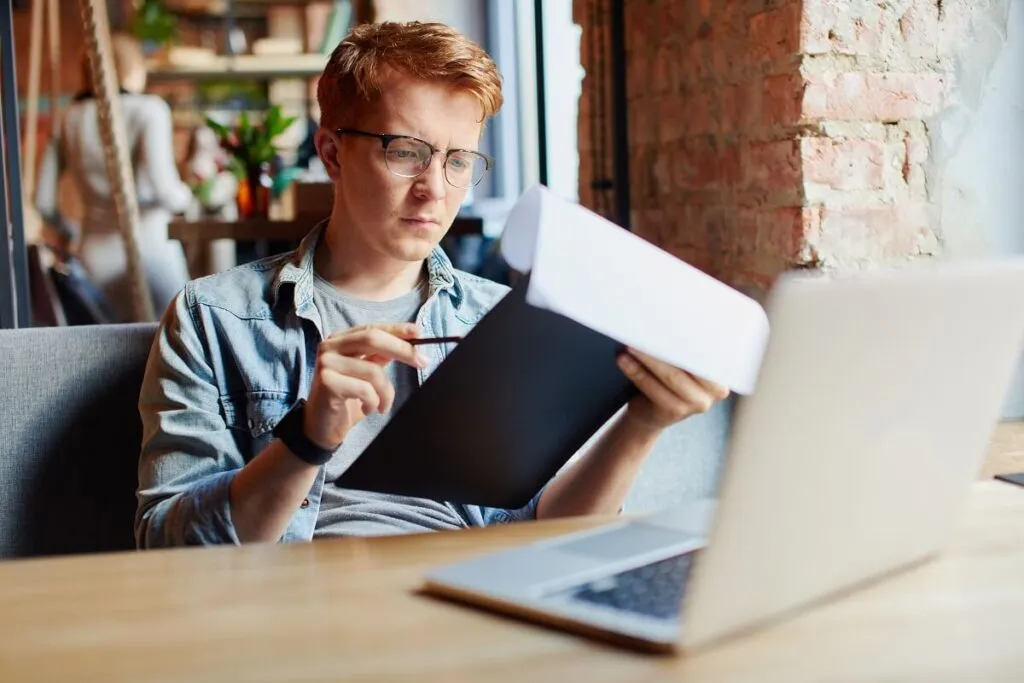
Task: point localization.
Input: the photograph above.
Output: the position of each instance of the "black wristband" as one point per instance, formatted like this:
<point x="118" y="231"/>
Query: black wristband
<point x="292" y="433"/>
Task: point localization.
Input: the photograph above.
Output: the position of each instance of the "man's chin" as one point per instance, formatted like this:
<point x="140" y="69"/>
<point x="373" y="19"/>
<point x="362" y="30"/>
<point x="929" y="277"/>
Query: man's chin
<point x="412" y="249"/>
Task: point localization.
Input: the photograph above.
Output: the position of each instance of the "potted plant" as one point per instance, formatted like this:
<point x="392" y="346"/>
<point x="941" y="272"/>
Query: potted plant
<point x="251" y="145"/>
<point x="153" y="25"/>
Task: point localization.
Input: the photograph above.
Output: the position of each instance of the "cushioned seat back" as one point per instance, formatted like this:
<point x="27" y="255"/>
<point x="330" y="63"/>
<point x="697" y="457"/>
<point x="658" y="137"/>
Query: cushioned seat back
<point x="69" y="437"/>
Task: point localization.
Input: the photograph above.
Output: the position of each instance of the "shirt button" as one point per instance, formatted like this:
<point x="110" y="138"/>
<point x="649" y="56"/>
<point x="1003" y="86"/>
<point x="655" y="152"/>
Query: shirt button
<point x="305" y="503"/>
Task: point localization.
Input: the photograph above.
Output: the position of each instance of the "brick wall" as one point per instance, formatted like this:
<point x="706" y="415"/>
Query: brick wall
<point x="771" y="134"/>
<point x="872" y="79"/>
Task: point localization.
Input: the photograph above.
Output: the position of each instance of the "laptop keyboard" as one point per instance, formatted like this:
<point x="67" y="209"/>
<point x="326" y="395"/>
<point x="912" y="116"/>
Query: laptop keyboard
<point x="653" y="590"/>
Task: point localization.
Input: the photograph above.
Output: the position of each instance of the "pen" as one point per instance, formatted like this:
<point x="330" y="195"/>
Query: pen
<point x="434" y="340"/>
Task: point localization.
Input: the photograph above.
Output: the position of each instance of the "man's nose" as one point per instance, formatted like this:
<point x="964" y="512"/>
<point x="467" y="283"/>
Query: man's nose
<point x="431" y="181"/>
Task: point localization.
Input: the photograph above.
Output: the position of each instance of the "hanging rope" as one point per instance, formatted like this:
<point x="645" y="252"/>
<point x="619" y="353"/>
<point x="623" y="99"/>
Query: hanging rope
<point x="53" y="29"/>
<point x="115" y="150"/>
<point x="35" y="65"/>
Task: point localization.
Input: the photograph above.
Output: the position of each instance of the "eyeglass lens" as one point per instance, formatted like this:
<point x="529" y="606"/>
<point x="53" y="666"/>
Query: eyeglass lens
<point x="409" y="158"/>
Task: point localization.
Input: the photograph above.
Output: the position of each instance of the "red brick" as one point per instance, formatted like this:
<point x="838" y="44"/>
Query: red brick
<point x="686" y="227"/>
<point x="699" y="113"/>
<point x="672" y="16"/>
<point x="737" y="234"/>
<point x="696" y="165"/>
<point x="583" y="134"/>
<point x="919" y="93"/>
<point x="661" y="172"/>
<point x="732" y="108"/>
<point x="844" y="164"/>
<point x="744" y="228"/>
<point x="682" y="74"/>
<point x="637" y="75"/>
<point x="727" y="40"/>
<point x="861" y="29"/>
<point x="641" y="181"/>
<point x="811" y="223"/>
<point x="915" y="159"/>
<point x="661" y="71"/>
<point x="781" y="232"/>
<point x="691" y="255"/>
<point x="730" y="163"/>
<point x="699" y="61"/>
<point x="861" y="36"/>
<point x="873" y="96"/>
<point x="775" y="33"/>
<point x="876" y="233"/>
<point x="772" y="165"/>
<point x="752" y="104"/>
<point x="637" y="29"/>
<point x="673" y="117"/>
<point x="642" y="122"/>
<point x="782" y="99"/>
<point x="648" y="224"/>
<point x="817" y="18"/>
<point x="709" y="224"/>
<point x="919" y="29"/>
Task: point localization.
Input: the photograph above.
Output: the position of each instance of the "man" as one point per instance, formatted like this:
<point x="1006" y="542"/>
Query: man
<point x="231" y="453"/>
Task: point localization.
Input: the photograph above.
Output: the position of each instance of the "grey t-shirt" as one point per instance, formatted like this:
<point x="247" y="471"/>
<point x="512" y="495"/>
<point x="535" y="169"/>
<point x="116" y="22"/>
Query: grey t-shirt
<point x="345" y="512"/>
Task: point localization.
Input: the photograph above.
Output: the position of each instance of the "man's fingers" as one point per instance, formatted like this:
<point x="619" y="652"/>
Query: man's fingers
<point x="401" y="330"/>
<point x="367" y="372"/>
<point x="718" y="391"/>
<point x="666" y="401"/>
<point x="348" y="387"/>
<point x="679" y="382"/>
<point x="378" y="341"/>
<point x="683" y="386"/>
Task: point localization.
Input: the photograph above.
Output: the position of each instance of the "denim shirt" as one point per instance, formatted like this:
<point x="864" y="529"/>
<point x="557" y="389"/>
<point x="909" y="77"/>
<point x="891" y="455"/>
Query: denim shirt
<point x="232" y="355"/>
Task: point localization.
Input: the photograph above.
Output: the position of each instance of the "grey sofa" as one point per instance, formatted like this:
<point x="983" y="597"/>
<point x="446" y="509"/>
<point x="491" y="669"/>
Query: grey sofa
<point x="69" y="437"/>
<point x="686" y="463"/>
<point x="70" y="434"/>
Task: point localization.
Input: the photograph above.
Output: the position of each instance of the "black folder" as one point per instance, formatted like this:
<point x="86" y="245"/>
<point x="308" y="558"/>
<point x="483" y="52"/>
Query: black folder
<point x="512" y="403"/>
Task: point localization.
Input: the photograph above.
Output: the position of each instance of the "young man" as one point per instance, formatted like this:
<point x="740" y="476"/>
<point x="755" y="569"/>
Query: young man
<point x="267" y="381"/>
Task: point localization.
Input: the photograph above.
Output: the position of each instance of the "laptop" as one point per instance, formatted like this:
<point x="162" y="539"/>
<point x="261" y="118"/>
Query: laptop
<point x="875" y="402"/>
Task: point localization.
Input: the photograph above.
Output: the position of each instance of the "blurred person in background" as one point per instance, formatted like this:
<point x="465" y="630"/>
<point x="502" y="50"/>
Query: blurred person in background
<point x="76" y="148"/>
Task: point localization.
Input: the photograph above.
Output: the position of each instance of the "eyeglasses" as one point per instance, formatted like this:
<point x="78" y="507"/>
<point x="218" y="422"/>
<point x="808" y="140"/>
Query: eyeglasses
<point x="408" y="157"/>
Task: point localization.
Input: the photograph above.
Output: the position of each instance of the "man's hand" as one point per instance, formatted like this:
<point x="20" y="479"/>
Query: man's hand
<point x="667" y="394"/>
<point x="349" y="381"/>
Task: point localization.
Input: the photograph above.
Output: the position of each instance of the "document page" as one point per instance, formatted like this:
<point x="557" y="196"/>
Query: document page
<point x="604" y="277"/>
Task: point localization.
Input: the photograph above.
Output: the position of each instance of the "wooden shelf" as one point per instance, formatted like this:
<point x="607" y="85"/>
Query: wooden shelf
<point x="252" y="230"/>
<point x="197" y="236"/>
<point x="243" y="230"/>
<point x="242" y="66"/>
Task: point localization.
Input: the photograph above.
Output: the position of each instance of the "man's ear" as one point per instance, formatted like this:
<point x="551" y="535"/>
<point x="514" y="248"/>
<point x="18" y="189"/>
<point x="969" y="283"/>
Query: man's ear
<point x="327" y="148"/>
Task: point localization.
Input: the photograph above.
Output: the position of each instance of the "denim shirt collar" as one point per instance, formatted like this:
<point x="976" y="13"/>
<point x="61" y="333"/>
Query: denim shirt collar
<point x="297" y="271"/>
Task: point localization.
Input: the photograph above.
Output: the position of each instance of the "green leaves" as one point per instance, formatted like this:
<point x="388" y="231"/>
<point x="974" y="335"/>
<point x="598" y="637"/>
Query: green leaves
<point x="154" y="22"/>
<point x="252" y="144"/>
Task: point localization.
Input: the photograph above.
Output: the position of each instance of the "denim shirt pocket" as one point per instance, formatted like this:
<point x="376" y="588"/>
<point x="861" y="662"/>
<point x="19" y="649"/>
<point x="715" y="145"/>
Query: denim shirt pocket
<point x="252" y="416"/>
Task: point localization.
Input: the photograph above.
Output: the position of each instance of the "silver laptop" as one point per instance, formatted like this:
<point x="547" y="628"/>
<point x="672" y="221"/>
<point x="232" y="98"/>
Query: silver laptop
<point x="875" y="403"/>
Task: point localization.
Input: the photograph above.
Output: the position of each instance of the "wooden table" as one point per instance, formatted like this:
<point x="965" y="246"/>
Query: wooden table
<point x="348" y="610"/>
<point x="1006" y="451"/>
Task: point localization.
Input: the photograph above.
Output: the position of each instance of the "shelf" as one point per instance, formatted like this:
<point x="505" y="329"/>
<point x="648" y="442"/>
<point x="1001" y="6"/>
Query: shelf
<point x="244" y="9"/>
<point x="243" y="230"/>
<point x="205" y="231"/>
<point x="242" y="66"/>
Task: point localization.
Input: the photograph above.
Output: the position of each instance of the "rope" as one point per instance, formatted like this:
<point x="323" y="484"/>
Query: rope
<point x="115" y="150"/>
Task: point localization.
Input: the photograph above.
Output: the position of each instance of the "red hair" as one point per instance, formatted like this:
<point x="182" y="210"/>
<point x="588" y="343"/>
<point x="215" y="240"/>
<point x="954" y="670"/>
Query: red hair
<point x="427" y="51"/>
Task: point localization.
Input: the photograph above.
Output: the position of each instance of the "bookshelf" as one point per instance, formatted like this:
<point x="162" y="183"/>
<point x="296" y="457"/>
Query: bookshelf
<point x="222" y="67"/>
